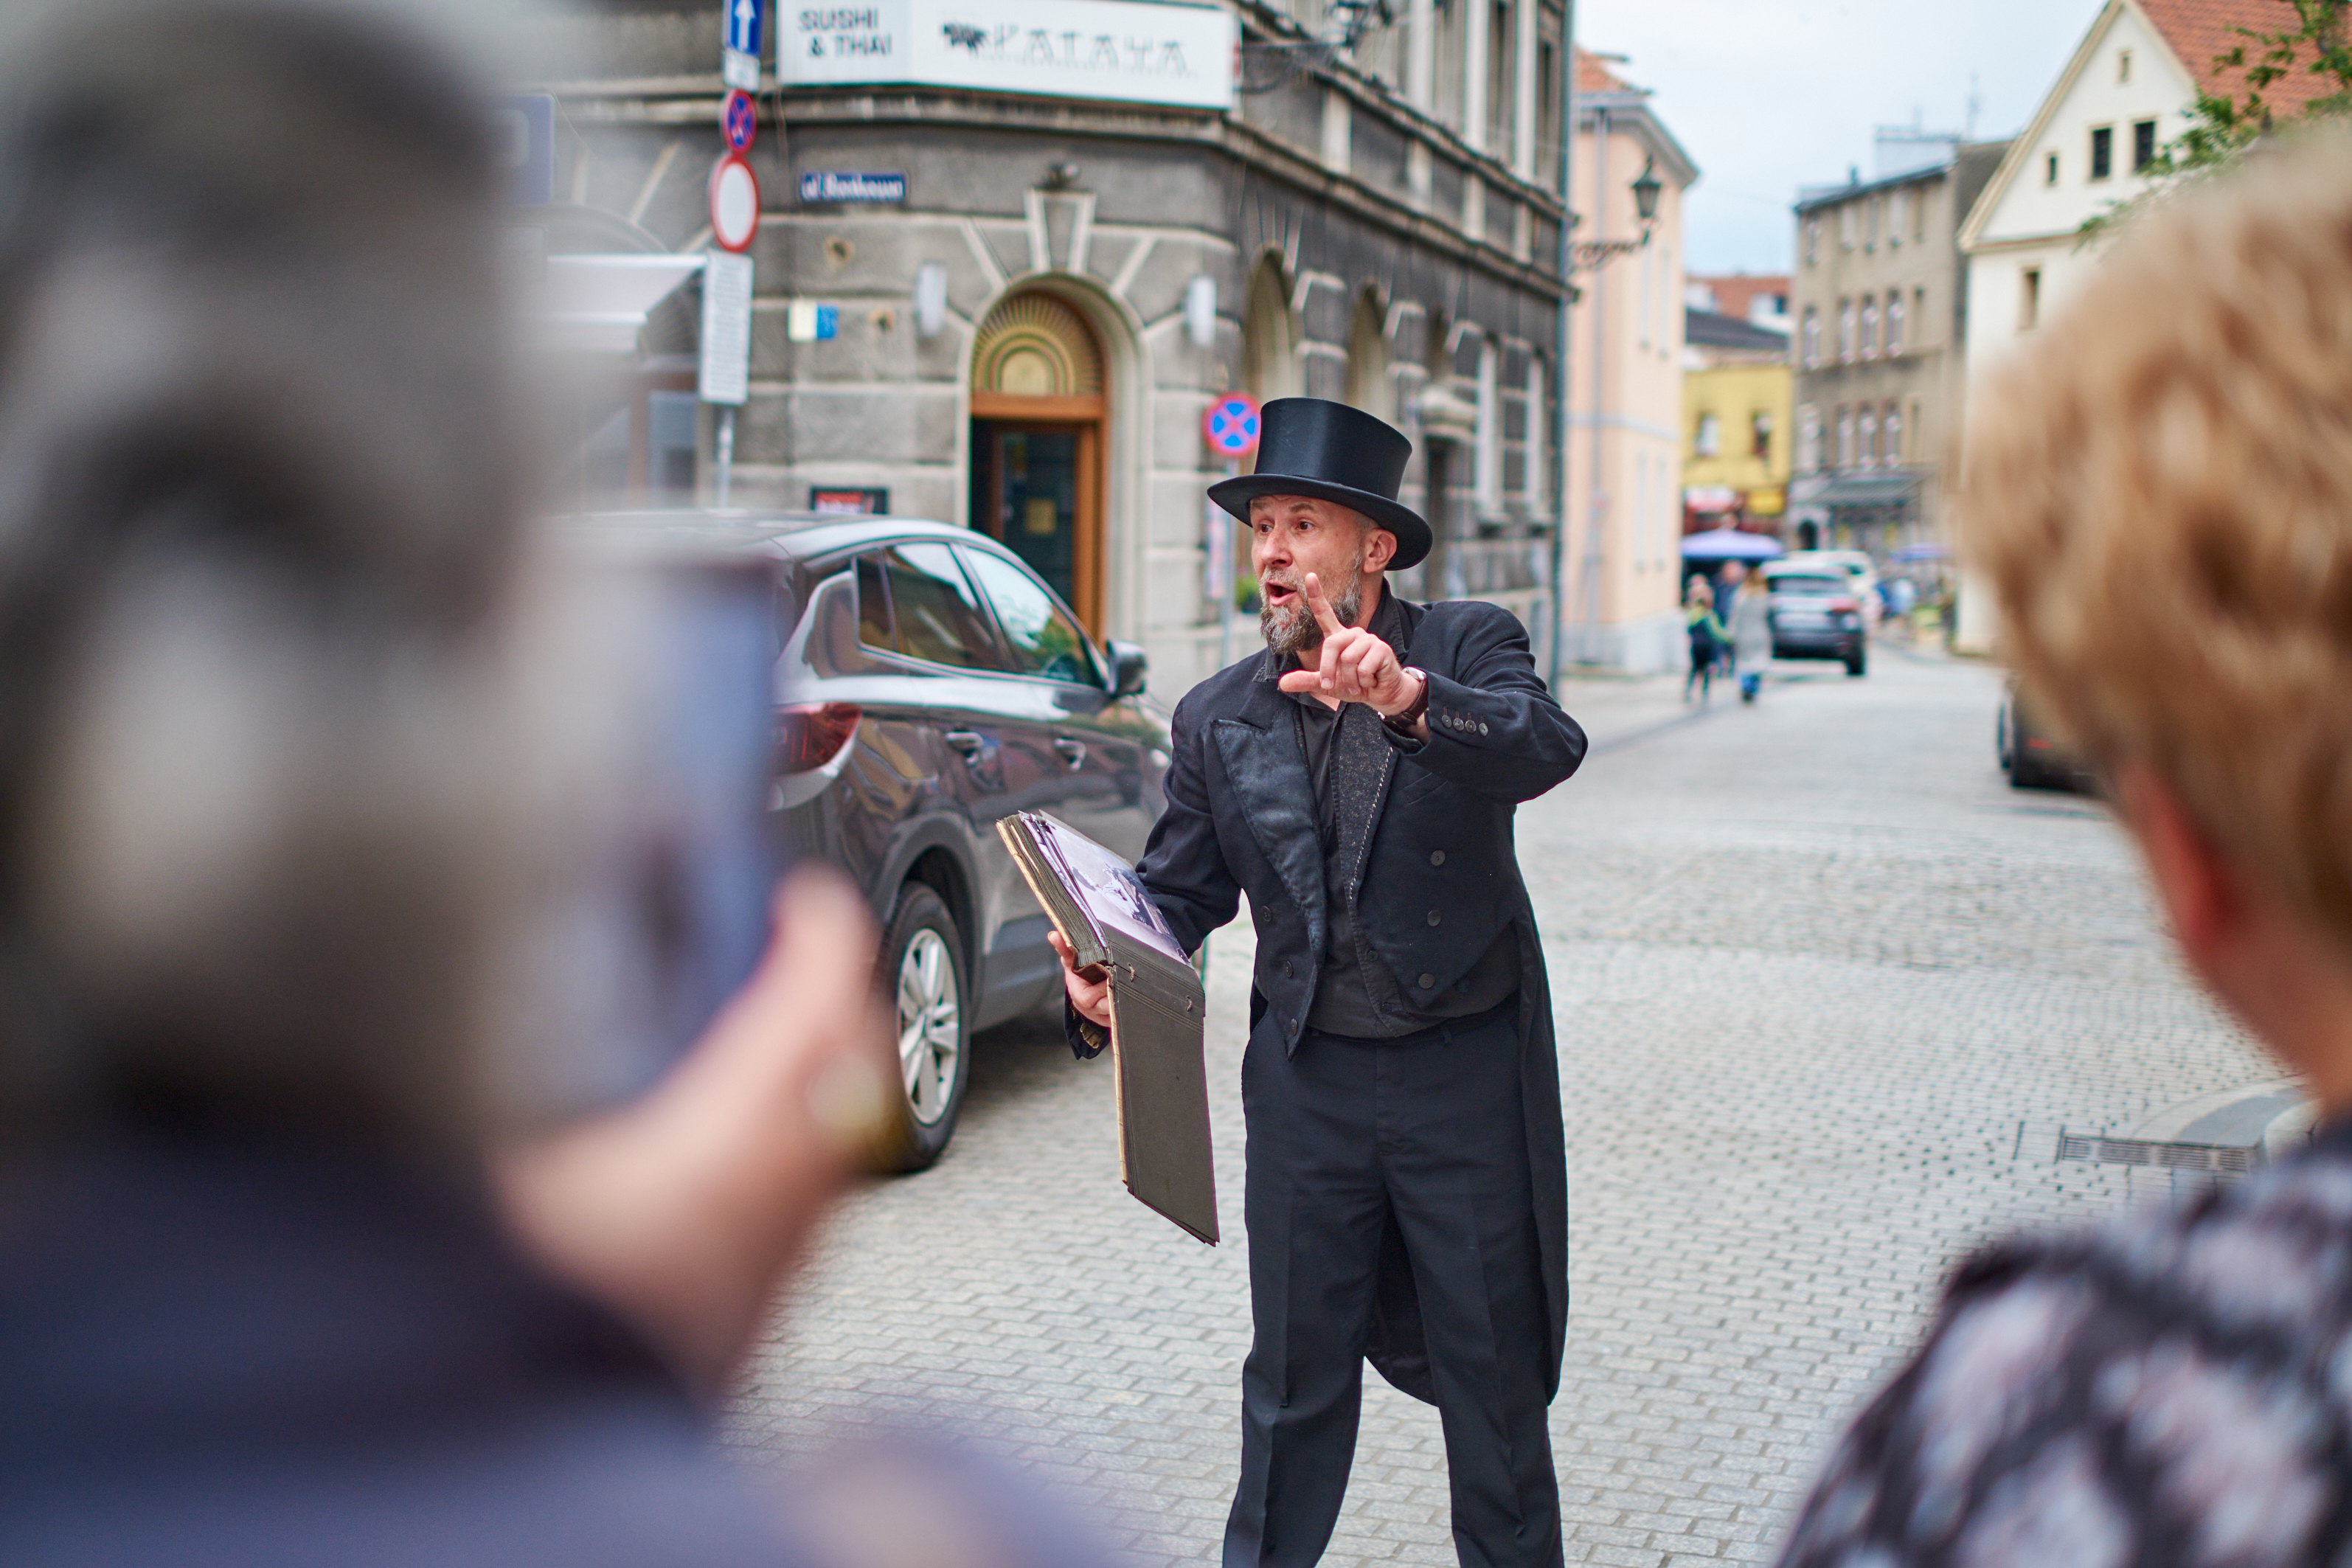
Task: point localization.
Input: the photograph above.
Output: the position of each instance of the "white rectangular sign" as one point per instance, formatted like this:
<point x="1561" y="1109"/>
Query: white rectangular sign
<point x="1136" y="53"/>
<point x="726" y="328"/>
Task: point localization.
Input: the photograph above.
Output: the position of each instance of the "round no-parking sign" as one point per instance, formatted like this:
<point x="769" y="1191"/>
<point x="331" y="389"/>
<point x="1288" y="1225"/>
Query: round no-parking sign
<point x="1231" y="425"/>
<point x="734" y="203"/>
<point x="739" y="119"/>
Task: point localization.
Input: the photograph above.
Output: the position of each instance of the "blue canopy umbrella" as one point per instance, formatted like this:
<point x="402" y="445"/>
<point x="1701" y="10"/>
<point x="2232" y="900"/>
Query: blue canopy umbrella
<point x="1728" y="544"/>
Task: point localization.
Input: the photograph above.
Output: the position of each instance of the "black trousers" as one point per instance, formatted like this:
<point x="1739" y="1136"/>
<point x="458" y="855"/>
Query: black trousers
<point x="1344" y="1137"/>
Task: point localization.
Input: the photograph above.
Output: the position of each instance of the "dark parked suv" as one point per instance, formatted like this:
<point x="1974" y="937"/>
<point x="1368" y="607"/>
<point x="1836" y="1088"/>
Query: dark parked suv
<point x="930" y="685"/>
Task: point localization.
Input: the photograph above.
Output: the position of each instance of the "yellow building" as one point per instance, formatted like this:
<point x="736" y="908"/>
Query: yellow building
<point x="1737" y="394"/>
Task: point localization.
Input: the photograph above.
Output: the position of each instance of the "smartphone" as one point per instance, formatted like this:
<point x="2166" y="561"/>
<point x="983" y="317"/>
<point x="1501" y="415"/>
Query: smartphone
<point x="663" y="906"/>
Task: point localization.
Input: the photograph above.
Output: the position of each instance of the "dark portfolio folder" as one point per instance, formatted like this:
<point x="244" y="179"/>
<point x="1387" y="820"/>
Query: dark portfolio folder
<point x="1157" y="1007"/>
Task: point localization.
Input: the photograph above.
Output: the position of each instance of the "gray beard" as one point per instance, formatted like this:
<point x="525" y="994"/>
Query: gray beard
<point x="1294" y="631"/>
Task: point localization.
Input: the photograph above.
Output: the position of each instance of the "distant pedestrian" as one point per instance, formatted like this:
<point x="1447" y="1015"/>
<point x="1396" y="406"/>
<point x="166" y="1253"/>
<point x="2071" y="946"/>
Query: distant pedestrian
<point x="1707" y="639"/>
<point x="2158" y="493"/>
<point x="1752" y="630"/>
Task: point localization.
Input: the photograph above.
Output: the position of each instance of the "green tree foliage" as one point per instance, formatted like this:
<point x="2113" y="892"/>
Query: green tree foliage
<point x="2225" y="125"/>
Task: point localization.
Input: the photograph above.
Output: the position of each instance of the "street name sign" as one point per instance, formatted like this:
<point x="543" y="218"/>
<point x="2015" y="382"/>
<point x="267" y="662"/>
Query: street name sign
<point x="834" y="185"/>
<point x="1125" y="50"/>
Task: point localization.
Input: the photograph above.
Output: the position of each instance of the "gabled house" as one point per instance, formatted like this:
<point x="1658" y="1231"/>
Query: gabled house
<point x="2126" y="90"/>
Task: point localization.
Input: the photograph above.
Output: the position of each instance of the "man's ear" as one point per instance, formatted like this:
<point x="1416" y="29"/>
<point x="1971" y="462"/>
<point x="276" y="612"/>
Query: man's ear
<point x="2195" y="883"/>
<point x="1379" y="549"/>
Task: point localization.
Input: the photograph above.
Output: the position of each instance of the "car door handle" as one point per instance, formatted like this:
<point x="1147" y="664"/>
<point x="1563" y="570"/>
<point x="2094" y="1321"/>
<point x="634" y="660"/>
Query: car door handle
<point x="969" y="741"/>
<point x="1073" y="751"/>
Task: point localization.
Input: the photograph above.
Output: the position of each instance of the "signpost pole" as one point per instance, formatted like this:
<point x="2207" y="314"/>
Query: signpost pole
<point x="725" y="453"/>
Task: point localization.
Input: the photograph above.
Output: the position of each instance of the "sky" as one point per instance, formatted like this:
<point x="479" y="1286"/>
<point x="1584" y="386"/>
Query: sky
<point x="1768" y="95"/>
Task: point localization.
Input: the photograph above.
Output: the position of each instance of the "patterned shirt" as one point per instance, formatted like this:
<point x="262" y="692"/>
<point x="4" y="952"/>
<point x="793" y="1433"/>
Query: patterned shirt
<point x="2174" y="1387"/>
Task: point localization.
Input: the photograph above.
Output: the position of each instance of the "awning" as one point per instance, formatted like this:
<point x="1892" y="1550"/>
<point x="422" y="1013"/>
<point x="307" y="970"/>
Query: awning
<point x="597" y="304"/>
<point x="1866" y="490"/>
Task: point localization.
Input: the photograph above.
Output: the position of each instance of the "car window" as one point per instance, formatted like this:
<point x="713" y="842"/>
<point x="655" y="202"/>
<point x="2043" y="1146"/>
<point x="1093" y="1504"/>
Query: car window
<point x="933" y="612"/>
<point x="1042" y="639"/>
<point x="837" y="624"/>
<point x="1793" y="583"/>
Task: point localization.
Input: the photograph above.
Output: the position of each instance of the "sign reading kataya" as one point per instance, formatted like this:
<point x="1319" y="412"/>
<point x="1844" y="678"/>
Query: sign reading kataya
<point x="1140" y="53"/>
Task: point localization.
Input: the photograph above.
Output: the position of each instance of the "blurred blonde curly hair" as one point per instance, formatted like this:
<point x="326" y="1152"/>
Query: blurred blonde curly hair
<point x="2158" y="487"/>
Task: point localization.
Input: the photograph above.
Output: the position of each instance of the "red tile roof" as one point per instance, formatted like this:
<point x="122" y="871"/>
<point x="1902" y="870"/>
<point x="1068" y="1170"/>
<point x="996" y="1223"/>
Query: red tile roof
<point x="2198" y="30"/>
<point x="1593" y="75"/>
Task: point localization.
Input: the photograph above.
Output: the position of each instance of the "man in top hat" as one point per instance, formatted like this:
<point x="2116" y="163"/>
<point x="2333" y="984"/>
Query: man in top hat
<point x="1406" y="1191"/>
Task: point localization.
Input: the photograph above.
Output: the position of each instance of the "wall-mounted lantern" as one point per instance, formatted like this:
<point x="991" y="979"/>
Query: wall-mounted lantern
<point x="930" y="299"/>
<point x="1201" y="310"/>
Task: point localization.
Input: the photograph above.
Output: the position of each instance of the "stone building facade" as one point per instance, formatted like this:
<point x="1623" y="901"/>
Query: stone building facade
<point x="1879" y="313"/>
<point x="1027" y="342"/>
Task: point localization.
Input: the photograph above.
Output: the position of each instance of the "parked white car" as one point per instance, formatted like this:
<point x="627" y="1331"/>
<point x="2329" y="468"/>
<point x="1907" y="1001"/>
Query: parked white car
<point x="1854" y="563"/>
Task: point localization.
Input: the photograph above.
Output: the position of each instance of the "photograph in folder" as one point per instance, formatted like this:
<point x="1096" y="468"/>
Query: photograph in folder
<point x="1157" y="1005"/>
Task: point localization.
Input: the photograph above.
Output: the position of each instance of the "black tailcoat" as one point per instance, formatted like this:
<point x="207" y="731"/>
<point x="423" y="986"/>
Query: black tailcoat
<point x="1439" y="885"/>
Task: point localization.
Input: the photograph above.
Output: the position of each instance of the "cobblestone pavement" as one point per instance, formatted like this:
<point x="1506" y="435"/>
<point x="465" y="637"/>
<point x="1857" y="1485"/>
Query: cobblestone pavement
<point x="1816" y="967"/>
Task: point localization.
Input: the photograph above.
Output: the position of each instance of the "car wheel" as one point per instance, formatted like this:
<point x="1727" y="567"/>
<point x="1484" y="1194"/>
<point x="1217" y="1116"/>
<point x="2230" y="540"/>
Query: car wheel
<point x="922" y="974"/>
<point x="2023" y="773"/>
<point x="1857" y="663"/>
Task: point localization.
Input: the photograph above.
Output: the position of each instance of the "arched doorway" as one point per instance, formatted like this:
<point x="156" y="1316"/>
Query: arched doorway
<point x="1270" y="367"/>
<point x="1037" y="411"/>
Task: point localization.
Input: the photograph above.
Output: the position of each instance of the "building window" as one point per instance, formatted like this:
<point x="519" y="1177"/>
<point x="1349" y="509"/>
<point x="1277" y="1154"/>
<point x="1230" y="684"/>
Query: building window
<point x="1760" y="436"/>
<point x="2029" y="299"/>
<point x="2050" y="170"/>
<point x="1869" y="225"/>
<point x="1911" y="427"/>
<point x="1919" y="316"/>
<point x="2123" y="65"/>
<point x="1538" y="471"/>
<point x="1919" y="215"/>
<point x="1845" y="332"/>
<point x="1868" y="438"/>
<point x="1894" y="323"/>
<point x="1890" y="436"/>
<point x="1870" y="328"/>
<point x="1845" y="437"/>
<point x="2102" y="151"/>
<point x="1845" y="227"/>
<point x="2143" y="144"/>
<point x="1709" y="441"/>
<point x="1809" y="439"/>
<point x="1812" y="240"/>
<point x="1900" y="205"/>
<point x="1812" y="338"/>
<point x="1486" y="459"/>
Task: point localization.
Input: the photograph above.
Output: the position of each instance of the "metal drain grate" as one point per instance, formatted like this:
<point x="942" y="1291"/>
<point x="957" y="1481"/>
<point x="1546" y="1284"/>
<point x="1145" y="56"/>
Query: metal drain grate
<point x="2222" y="1158"/>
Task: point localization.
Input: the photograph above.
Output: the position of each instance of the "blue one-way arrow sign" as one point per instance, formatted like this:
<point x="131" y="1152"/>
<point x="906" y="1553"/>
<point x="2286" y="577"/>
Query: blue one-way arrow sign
<point x="743" y="26"/>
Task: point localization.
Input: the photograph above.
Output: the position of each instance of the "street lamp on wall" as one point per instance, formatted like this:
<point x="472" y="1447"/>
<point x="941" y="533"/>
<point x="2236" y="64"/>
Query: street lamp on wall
<point x="1587" y="254"/>
<point x="1645" y="190"/>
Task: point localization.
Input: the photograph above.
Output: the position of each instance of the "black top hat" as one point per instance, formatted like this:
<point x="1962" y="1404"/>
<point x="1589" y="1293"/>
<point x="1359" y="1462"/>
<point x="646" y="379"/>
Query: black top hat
<point x="1310" y="446"/>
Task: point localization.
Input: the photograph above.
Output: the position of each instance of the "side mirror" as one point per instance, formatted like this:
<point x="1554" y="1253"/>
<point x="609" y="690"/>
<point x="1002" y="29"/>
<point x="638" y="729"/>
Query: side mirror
<point x="1128" y="667"/>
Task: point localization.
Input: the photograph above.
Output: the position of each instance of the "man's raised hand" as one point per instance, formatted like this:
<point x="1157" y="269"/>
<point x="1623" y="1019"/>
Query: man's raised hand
<point x="1357" y="665"/>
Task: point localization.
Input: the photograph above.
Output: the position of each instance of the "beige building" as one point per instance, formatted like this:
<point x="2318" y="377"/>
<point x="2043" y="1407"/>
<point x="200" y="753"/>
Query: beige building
<point x="1879" y="310"/>
<point x="1625" y="386"/>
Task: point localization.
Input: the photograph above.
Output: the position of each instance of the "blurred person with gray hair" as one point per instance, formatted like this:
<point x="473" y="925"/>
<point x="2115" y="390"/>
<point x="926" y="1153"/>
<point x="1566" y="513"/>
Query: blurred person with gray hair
<point x="290" y="1269"/>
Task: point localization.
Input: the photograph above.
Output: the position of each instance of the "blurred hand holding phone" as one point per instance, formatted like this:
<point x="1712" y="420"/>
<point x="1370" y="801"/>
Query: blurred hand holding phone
<point x="714" y="1069"/>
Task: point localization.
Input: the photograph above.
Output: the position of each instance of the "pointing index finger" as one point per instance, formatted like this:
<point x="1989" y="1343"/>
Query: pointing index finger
<point x="1321" y="606"/>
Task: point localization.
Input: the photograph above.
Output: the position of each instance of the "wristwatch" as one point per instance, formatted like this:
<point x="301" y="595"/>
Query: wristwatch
<point x="1402" y="723"/>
